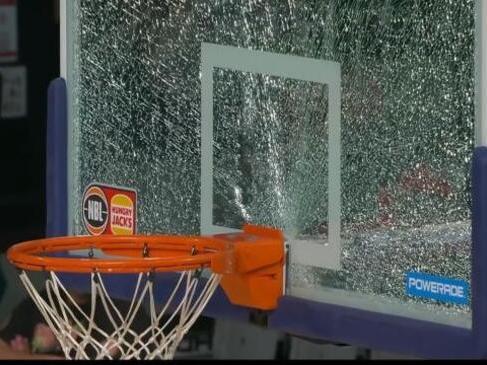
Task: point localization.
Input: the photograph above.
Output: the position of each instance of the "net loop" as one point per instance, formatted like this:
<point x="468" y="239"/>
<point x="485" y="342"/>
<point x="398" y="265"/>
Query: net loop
<point x="81" y="338"/>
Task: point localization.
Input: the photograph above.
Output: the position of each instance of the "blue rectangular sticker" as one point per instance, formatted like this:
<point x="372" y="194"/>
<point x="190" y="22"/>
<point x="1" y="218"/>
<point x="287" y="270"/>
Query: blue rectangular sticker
<point x="437" y="287"/>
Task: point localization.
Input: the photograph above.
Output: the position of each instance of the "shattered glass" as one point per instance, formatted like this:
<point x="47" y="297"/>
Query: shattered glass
<point x="407" y="127"/>
<point x="274" y="173"/>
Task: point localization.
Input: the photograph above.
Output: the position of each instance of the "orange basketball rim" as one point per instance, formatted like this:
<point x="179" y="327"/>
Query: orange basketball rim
<point x="250" y="263"/>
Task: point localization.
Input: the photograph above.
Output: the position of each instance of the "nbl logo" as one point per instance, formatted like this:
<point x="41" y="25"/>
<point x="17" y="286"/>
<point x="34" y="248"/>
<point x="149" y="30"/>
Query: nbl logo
<point x="110" y="210"/>
<point x="95" y="210"/>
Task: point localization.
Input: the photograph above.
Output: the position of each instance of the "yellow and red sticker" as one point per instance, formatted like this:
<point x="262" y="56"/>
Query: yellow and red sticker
<point x="110" y="210"/>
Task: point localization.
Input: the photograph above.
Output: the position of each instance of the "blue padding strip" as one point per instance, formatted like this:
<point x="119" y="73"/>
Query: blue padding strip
<point x="56" y="160"/>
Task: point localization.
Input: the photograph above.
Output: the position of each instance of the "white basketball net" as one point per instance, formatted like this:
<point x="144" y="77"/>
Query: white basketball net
<point x="80" y="338"/>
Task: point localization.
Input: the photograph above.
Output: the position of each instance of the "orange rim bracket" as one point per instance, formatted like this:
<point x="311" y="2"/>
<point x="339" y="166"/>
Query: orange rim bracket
<point x="257" y="278"/>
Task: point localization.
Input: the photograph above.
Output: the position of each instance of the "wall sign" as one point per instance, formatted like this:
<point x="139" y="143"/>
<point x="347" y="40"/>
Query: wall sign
<point x="8" y="31"/>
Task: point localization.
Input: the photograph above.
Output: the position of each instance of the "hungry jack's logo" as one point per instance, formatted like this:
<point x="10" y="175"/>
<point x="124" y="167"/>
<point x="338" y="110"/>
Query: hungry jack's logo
<point x="110" y="210"/>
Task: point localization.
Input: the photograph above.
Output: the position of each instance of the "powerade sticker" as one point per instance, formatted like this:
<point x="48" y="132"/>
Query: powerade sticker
<point x="437" y="287"/>
<point x="110" y="210"/>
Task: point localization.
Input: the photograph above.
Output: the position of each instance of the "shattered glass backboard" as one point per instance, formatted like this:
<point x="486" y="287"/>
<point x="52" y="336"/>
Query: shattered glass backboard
<point x="368" y="175"/>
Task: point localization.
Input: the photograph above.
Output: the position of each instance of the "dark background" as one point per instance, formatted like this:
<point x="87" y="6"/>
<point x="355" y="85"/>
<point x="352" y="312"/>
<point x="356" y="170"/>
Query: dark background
<point x="23" y="140"/>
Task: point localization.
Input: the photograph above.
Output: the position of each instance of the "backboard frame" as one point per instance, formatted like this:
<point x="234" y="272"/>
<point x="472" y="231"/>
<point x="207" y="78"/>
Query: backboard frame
<point x="318" y="320"/>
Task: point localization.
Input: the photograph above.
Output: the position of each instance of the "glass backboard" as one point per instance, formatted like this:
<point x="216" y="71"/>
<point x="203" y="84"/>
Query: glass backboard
<point x="349" y="125"/>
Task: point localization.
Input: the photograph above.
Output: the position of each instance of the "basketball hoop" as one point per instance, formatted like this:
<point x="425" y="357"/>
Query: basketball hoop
<point x="247" y="265"/>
